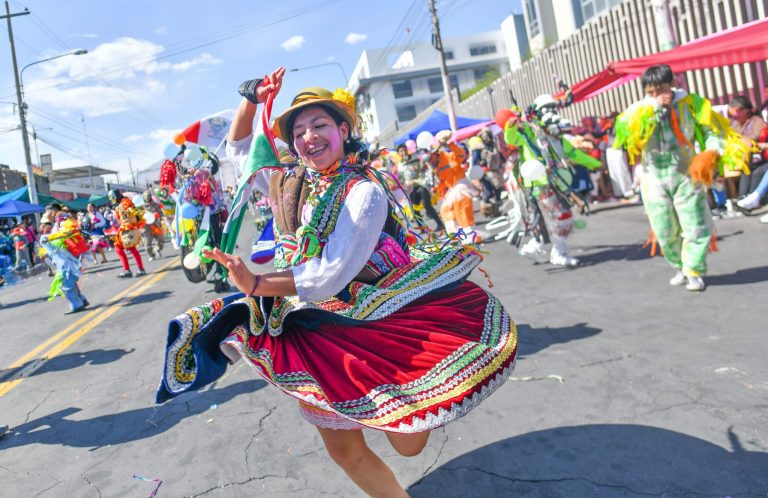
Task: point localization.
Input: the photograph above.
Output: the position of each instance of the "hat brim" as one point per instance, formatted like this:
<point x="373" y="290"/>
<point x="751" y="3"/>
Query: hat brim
<point x="280" y="124"/>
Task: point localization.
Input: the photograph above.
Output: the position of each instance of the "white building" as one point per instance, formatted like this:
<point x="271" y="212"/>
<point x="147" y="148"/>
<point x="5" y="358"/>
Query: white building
<point x="548" y="21"/>
<point x="393" y="85"/>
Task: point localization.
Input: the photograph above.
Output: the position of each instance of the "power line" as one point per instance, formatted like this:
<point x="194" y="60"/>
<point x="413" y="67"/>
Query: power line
<point x="172" y="53"/>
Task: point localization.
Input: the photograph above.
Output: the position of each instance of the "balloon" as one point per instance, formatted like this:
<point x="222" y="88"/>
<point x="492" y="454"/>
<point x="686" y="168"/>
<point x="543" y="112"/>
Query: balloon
<point x="410" y="146"/>
<point x="502" y="116"/>
<point x="149" y="218"/>
<point x="171" y="151"/>
<point x="424" y="140"/>
<point x="188" y="225"/>
<point x="476" y="143"/>
<point x="475" y="173"/>
<point x="193" y="154"/>
<point x="532" y="170"/>
<point x="179" y="139"/>
<point x="191" y="261"/>
<point x="138" y="201"/>
<point x="579" y="224"/>
<point x="189" y="211"/>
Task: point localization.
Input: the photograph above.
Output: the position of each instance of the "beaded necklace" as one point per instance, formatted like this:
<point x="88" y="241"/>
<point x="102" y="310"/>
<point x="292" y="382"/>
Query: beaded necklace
<point x="327" y="191"/>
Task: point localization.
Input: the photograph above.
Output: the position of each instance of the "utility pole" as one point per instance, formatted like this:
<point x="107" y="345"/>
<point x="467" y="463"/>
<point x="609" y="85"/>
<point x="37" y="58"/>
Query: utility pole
<point x="437" y="42"/>
<point x="130" y="167"/>
<point x="663" y="22"/>
<point x="22" y="109"/>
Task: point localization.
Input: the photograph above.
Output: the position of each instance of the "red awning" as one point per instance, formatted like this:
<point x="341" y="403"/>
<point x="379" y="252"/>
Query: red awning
<point x="741" y="44"/>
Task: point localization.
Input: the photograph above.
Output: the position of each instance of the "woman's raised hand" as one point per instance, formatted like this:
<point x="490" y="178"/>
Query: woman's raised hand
<point x="271" y="84"/>
<point x="241" y="276"/>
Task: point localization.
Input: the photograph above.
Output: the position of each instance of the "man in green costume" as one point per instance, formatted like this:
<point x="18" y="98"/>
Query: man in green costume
<point x="662" y="129"/>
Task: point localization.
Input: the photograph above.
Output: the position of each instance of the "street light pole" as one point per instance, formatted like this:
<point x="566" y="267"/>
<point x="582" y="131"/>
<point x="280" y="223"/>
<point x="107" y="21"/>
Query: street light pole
<point x="22" y="118"/>
<point x="343" y="73"/>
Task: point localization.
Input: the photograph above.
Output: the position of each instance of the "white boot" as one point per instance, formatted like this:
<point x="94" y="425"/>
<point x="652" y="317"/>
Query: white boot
<point x="534" y="250"/>
<point x="559" y="255"/>
<point x="678" y="280"/>
<point x="695" y="284"/>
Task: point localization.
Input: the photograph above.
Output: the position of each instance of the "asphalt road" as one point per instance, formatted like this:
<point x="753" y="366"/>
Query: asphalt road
<point x="624" y="387"/>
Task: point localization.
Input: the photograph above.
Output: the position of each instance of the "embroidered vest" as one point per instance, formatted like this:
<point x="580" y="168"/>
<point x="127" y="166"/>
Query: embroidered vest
<point x="288" y="191"/>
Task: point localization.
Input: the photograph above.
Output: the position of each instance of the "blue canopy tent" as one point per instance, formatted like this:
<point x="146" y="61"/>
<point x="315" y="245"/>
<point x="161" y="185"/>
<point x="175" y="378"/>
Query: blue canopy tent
<point x="437" y="121"/>
<point x="13" y="207"/>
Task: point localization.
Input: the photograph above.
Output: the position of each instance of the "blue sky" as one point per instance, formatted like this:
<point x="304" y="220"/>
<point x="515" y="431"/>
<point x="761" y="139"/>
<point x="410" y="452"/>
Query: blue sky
<point x="156" y="66"/>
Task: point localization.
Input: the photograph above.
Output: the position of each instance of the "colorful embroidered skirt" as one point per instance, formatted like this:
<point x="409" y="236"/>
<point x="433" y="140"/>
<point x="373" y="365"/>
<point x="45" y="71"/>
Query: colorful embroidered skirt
<point x="420" y="354"/>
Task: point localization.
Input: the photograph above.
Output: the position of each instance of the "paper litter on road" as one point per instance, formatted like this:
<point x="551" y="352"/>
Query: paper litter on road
<point x="147" y="479"/>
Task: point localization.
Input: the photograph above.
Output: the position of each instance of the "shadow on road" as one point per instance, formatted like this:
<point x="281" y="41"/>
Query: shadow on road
<point x="533" y="340"/>
<point x="600" y="460"/>
<point x="147" y="298"/>
<point x="67" y="362"/>
<point x="745" y="276"/>
<point x="619" y="252"/>
<point x="119" y="428"/>
<point x="25" y="301"/>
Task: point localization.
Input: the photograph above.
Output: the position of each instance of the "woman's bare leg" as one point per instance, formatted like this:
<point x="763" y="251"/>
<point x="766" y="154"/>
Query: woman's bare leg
<point x="348" y="449"/>
<point x="408" y="444"/>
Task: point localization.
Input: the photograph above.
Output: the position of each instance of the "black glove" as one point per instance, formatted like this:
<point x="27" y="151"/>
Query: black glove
<point x="248" y="89"/>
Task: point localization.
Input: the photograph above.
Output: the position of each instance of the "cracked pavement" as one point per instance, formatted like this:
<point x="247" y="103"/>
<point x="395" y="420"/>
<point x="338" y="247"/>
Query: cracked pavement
<point x="665" y="392"/>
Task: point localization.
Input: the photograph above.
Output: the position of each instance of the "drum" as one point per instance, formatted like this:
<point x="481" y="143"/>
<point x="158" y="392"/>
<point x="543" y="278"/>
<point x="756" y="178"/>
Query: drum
<point x="130" y="238"/>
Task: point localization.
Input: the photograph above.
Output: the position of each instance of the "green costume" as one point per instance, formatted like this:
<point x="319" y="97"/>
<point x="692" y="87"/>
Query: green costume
<point x="676" y="207"/>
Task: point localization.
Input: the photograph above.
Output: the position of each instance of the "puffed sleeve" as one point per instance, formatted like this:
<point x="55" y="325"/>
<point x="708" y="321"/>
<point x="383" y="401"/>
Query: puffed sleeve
<point x="237" y="154"/>
<point x="349" y="246"/>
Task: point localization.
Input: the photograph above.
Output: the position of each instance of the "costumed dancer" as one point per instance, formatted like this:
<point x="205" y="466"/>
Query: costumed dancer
<point x="127" y="236"/>
<point x="153" y="234"/>
<point x="663" y="128"/>
<point x="167" y="203"/>
<point x="364" y="331"/>
<point x="453" y="188"/>
<point x="98" y="223"/>
<point x="541" y="146"/>
<point x="414" y="180"/>
<point x="64" y="247"/>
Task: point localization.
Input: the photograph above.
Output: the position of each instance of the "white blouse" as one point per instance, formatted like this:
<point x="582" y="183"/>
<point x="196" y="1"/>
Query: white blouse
<point x="349" y="246"/>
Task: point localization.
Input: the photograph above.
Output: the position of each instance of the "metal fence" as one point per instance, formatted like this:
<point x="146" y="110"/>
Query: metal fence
<point x="625" y="32"/>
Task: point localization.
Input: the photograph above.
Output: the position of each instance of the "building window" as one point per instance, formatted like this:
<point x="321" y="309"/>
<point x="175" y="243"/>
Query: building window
<point x="402" y="89"/>
<point x="406" y="113"/>
<point x="593" y="8"/>
<point x="482" y="50"/>
<point x="533" y="17"/>
<point x="449" y="55"/>
<point x="436" y="83"/>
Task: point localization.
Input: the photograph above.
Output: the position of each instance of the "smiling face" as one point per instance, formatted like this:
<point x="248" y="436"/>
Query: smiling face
<point x="318" y="139"/>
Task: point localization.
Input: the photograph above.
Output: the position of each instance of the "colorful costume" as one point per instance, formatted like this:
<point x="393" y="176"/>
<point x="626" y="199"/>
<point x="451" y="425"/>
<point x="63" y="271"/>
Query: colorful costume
<point x="64" y="247"/>
<point x="128" y="236"/>
<point x="153" y="235"/>
<point x="676" y="204"/>
<point x="414" y="179"/>
<point x="452" y="188"/>
<point x="380" y="335"/>
<point x="551" y="149"/>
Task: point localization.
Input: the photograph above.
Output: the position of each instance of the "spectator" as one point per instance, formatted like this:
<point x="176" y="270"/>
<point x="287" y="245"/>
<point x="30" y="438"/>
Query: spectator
<point x="755" y="186"/>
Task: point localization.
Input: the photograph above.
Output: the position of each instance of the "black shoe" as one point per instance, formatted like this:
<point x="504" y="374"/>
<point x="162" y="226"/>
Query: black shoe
<point x="140" y="273"/>
<point x="76" y="310"/>
<point x="125" y="274"/>
<point x="85" y="303"/>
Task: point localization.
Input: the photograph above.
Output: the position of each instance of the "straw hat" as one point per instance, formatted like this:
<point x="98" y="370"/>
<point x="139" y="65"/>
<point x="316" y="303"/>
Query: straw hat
<point x="341" y="101"/>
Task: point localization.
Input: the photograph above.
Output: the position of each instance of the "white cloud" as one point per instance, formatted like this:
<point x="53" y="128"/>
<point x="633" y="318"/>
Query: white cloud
<point x="355" y="38"/>
<point x="83" y="35"/>
<point x="130" y="139"/>
<point x="293" y="43"/>
<point x="111" y="78"/>
<point x="161" y="30"/>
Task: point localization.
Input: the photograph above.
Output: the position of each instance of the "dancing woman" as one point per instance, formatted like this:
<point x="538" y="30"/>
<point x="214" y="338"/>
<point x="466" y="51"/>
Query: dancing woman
<point x="363" y="330"/>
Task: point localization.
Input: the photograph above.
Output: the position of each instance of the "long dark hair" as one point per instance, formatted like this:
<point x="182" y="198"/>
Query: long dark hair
<point x="352" y="145"/>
